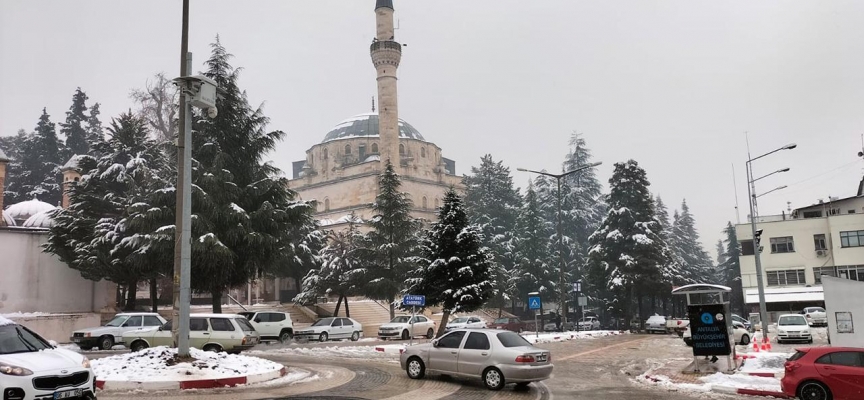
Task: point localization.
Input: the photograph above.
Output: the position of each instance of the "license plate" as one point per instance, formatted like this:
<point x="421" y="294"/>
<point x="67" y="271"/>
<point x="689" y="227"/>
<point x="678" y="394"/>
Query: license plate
<point x="68" y="394"/>
<point x="76" y="340"/>
<point x="541" y="358"/>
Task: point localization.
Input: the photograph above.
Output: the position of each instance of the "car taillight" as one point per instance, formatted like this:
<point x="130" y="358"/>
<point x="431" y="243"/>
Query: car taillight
<point x="791" y="366"/>
<point x="525" y="359"/>
<point x="242" y="342"/>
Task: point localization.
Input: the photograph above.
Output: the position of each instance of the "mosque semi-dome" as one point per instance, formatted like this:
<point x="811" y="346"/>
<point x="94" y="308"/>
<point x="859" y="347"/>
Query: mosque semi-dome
<point x="39" y="220"/>
<point x="26" y="209"/>
<point x="366" y="125"/>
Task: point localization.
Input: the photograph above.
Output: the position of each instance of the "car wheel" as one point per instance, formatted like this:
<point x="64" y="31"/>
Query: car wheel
<point x="138" y="345"/>
<point x="213" y="348"/>
<point x="430" y="334"/>
<point x="810" y="341"/>
<point x="405" y="335"/>
<point x="286" y="336"/>
<point x="106" y="342"/>
<point x="493" y="379"/>
<point x="355" y="336"/>
<point x="323" y="337"/>
<point x="812" y="390"/>
<point x="745" y="340"/>
<point x="415" y="368"/>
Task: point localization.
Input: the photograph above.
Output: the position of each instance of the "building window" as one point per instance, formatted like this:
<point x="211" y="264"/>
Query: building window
<point x="819" y="242"/>
<point x="361" y="151"/>
<point x="819" y="272"/>
<point x="401" y="149"/>
<point x="812" y="214"/>
<point x="374" y="148"/>
<point x="347" y="149"/>
<point x="787" y="277"/>
<point x="326" y="204"/>
<point x="850" y="212"/>
<point x="782" y="245"/>
<point x="311" y="158"/>
<point x="852" y="239"/>
<point x="436" y="204"/>
<point x="423" y="152"/>
<point x="424" y="202"/>
<point x="325" y="153"/>
<point x="746" y="248"/>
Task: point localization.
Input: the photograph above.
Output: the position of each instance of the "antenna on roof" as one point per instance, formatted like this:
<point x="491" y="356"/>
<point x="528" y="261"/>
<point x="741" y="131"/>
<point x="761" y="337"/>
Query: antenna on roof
<point x="373" y="104"/>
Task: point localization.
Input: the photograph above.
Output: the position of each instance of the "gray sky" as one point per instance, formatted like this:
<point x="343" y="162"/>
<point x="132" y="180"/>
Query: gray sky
<point x="672" y="84"/>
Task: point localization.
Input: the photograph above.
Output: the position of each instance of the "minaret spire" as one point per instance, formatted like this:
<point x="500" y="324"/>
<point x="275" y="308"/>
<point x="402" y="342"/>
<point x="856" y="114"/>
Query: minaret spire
<point x="386" y="55"/>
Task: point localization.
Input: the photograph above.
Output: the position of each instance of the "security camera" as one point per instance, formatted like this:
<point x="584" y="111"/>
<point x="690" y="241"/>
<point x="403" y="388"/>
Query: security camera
<point x="212" y="112"/>
<point x="200" y="89"/>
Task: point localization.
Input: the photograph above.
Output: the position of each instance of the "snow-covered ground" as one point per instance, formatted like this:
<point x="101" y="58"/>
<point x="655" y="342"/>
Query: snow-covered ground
<point x="736" y="381"/>
<point x="390" y="352"/>
<point x="549" y="337"/>
<point x="19" y="314"/>
<point x="158" y="364"/>
<point x="764" y="362"/>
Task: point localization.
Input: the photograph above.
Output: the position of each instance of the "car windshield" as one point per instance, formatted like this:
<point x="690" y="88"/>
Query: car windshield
<point x="117" y="321"/>
<point x="815" y="309"/>
<point x="511" y="339"/>
<point x="459" y="320"/>
<point x="400" y="320"/>
<point x="792" y="320"/>
<point x="18" y="339"/>
<point x="323" y="322"/>
<point x="501" y="320"/>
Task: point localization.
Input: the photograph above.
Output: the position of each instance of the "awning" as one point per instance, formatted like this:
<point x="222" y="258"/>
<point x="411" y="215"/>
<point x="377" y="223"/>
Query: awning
<point x="786" y="295"/>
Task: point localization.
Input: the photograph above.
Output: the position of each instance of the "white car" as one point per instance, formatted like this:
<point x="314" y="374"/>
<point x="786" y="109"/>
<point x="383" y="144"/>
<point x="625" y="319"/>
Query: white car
<point x="739" y="332"/>
<point x="655" y="323"/>
<point x="208" y="332"/>
<point x="105" y="337"/>
<point x="32" y="368"/>
<point x="272" y="325"/>
<point x="816" y="316"/>
<point x="793" y="327"/>
<point x="589" y="324"/>
<point x="469" y="322"/>
<point x="402" y="326"/>
<point x="331" y="328"/>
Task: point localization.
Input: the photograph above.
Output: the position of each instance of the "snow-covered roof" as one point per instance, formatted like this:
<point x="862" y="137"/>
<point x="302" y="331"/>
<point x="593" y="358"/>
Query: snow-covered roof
<point x="39" y="220"/>
<point x="786" y="295"/>
<point x="5" y="321"/>
<point x="73" y="162"/>
<point x="342" y="220"/>
<point x="3" y="156"/>
<point x="6" y="219"/>
<point x="701" y="288"/>
<point x="366" y="125"/>
<point x="27" y="209"/>
<point x="373" y="157"/>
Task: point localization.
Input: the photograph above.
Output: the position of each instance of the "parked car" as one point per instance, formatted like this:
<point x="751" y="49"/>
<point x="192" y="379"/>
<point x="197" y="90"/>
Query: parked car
<point x="331" y="328"/>
<point x="677" y="325"/>
<point x="553" y="327"/>
<point x="509" y="323"/>
<point x="105" y="337"/>
<point x="655" y="323"/>
<point x="498" y="357"/>
<point x="589" y="324"/>
<point x="744" y="321"/>
<point x="272" y="325"/>
<point x="793" y="327"/>
<point x="740" y="334"/>
<point x="469" y="322"/>
<point x="823" y="373"/>
<point x="31" y="368"/>
<point x="401" y="327"/>
<point x="816" y="316"/>
<point x="209" y="332"/>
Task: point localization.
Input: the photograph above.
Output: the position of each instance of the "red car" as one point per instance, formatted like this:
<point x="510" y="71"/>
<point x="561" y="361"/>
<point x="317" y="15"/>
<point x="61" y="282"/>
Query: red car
<point x="511" y="324"/>
<point x="825" y="373"/>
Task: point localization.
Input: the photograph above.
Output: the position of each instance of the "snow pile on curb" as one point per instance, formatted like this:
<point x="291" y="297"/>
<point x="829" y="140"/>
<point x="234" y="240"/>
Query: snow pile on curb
<point x="718" y="382"/>
<point x="159" y="364"/>
<point x="565" y="336"/>
<point x="353" y="352"/>
<point x="4" y="321"/>
<point x="764" y="363"/>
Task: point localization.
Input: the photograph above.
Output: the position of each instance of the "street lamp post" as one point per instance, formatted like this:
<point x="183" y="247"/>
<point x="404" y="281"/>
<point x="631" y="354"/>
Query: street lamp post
<point x="751" y="194"/>
<point x="561" y="284"/>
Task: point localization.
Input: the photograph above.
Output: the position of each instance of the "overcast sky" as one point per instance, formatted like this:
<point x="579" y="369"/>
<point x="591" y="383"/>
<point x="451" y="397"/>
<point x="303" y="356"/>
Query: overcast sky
<point x="671" y="84"/>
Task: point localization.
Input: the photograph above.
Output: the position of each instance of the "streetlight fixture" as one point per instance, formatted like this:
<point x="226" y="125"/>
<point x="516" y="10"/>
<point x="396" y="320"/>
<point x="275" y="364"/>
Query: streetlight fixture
<point x="561" y="286"/>
<point x="751" y="194"/>
<point x="772" y="190"/>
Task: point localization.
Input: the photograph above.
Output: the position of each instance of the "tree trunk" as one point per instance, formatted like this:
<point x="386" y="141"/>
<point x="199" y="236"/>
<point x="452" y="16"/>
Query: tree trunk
<point x="216" y="294"/>
<point x="640" y="311"/>
<point x="442" y="327"/>
<point x="154" y="295"/>
<point x="120" y="297"/>
<point x="338" y="304"/>
<point x="347" y="313"/>
<point x="131" y="296"/>
<point x="392" y="308"/>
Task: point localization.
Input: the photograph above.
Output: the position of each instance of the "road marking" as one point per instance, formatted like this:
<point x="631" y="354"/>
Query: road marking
<point x="601" y="349"/>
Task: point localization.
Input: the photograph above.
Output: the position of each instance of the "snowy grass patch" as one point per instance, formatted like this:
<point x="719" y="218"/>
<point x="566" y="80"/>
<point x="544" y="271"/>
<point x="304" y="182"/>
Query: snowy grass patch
<point x="159" y="364"/>
<point x="550" y="337"/>
<point x="338" y="352"/>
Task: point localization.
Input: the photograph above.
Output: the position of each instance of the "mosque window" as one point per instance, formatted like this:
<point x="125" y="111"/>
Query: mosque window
<point x="423" y="152"/>
<point x="436" y="203"/>
<point x="325" y="153"/>
<point x="401" y="149"/>
<point x="424" y="202"/>
<point x="374" y="148"/>
<point x="326" y="204"/>
<point x="347" y="149"/>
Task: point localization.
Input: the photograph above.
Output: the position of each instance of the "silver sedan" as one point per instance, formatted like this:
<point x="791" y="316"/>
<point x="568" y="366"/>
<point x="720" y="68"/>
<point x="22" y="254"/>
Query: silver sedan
<point x="498" y="357"/>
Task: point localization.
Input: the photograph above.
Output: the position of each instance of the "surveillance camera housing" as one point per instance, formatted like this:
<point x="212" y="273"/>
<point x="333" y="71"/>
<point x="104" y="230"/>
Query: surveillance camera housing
<point x="212" y="112"/>
<point x="201" y="90"/>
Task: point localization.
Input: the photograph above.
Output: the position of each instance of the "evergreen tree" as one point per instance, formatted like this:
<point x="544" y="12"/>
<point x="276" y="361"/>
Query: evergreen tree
<point x="95" y="133"/>
<point x="454" y="267"/>
<point x="662" y="214"/>
<point x="532" y="272"/>
<point x="583" y="202"/>
<point x="35" y="173"/>
<point x="76" y="135"/>
<point x="695" y="262"/>
<point x="14" y="146"/>
<point x="731" y="268"/>
<point x="340" y="270"/>
<point x="392" y="244"/>
<point x="627" y="255"/>
<point x="492" y="203"/>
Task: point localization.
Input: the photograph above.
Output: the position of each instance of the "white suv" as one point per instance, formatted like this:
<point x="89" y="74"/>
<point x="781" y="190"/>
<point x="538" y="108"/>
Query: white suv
<point x="271" y="325"/>
<point x="31" y="368"/>
<point x="105" y="337"/>
<point x="402" y="324"/>
<point x="589" y="324"/>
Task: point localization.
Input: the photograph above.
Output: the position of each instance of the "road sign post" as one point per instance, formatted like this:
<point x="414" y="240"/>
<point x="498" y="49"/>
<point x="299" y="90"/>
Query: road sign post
<point x="534" y="303"/>
<point x="414" y="301"/>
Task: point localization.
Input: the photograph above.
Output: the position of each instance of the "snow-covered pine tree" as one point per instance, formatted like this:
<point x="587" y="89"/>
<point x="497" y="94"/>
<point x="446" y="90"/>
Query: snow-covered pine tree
<point x="493" y="204"/>
<point x="583" y="203"/>
<point x="696" y="264"/>
<point x="95" y="132"/>
<point x="532" y="272"/>
<point x="627" y="256"/>
<point x="454" y="270"/>
<point x="13" y="146"/>
<point x="731" y="268"/>
<point x="662" y="214"/>
<point x="37" y="170"/>
<point x="392" y="244"/>
<point x="76" y="135"/>
<point x="340" y="271"/>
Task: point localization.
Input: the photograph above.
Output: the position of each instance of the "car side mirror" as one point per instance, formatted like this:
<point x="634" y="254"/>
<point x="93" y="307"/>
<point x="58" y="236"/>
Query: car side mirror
<point x="434" y="342"/>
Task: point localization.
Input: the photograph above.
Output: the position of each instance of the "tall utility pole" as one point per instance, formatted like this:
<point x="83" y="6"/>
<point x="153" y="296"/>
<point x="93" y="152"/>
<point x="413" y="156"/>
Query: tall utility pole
<point x="183" y="210"/>
<point x="562" y="288"/>
<point x="751" y="195"/>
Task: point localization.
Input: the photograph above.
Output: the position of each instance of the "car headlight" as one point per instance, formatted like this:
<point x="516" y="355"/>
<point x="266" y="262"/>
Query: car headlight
<point x="87" y="334"/>
<point x="7" y="369"/>
<point x="85" y="362"/>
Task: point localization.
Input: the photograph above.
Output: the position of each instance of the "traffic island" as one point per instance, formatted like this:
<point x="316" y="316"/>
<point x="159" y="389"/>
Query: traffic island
<point x="160" y="368"/>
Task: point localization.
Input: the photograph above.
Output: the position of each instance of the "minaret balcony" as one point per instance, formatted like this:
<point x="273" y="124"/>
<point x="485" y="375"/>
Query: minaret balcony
<point x="386" y="52"/>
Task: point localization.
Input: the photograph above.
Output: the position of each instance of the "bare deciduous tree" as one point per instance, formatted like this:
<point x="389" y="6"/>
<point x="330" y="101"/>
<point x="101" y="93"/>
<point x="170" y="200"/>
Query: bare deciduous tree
<point x="158" y="105"/>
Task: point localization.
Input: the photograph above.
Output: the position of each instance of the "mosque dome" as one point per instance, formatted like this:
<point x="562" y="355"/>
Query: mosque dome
<point x="26" y="209"/>
<point x="39" y="220"/>
<point x="6" y="219"/>
<point x="366" y="125"/>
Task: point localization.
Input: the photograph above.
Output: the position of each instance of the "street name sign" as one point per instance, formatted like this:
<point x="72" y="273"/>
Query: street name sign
<point x="414" y="300"/>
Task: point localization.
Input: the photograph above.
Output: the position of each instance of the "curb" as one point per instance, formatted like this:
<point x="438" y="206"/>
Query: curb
<point x="749" y="392"/>
<point x="389" y="350"/>
<point x="763" y="374"/>
<point x="192" y="384"/>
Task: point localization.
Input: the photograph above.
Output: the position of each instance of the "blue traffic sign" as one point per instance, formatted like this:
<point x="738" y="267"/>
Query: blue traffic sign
<point x="534" y="303"/>
<point x="413" y="300"/>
